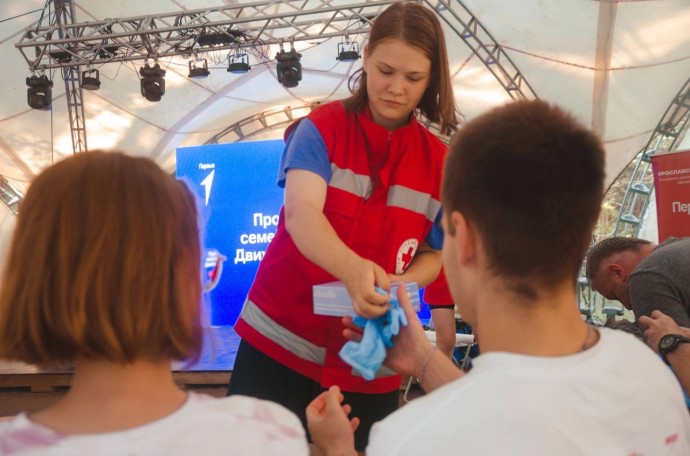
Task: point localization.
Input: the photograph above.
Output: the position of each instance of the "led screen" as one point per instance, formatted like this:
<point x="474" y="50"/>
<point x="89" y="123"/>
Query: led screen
<point x="236" y="185"/>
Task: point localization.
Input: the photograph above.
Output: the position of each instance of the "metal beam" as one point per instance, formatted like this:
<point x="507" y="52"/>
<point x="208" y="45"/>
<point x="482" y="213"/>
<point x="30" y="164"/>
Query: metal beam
<point x="470" y="30"/>
<point x="10" y="195"/>
<point x="262" y="122"/>
<point x="64" y="17"/>
<point x="156" y="36"/>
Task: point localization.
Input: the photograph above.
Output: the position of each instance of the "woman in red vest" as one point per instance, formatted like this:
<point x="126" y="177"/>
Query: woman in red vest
<point x="362" y="205"/>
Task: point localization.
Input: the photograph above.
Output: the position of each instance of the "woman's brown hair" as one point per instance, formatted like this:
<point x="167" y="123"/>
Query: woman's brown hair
<point x="104" y="264"/>
<point x="417" y="26"/>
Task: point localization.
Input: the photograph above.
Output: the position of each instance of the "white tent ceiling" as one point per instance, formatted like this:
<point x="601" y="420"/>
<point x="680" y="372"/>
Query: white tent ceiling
<point x="615" y="64"/>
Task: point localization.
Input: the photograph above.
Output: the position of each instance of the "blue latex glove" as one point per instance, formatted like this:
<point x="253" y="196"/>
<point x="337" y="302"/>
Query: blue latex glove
<point x="368" y="354"/>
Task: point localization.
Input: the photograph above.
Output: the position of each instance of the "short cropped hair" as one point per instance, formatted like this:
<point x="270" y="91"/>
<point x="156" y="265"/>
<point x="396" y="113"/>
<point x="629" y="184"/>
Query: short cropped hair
<point x="608" y="247"/>
<point x="419" y="27"/>
<point x="104" y="264"/>
<point x="530" y="178"/>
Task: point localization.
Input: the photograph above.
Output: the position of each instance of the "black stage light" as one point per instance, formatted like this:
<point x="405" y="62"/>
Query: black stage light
<point x="239" y="64"/>
<point x="108" y="51"/>
<point x="90" y="80"/>
<point x="198" y="69"/>
<point x="348" y="52"/>
<point x="152" y="82"/>
<point x="289" y="68"/>
<point x="39" y="95"/>
<point x="60" y="56"/>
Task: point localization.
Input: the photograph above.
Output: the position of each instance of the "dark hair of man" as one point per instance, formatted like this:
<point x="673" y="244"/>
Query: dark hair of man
<point x="419" y="27"/>
<point x="608" y="247"/>
<point x="530" y="179"/>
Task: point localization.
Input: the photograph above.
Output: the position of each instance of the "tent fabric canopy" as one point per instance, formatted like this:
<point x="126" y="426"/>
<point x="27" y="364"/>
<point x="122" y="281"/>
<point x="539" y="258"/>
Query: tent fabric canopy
<point x="616" y="65"/>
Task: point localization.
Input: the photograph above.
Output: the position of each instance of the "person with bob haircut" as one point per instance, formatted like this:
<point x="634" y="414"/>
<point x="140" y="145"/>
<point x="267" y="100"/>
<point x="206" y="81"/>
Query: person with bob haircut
<point x="104" y="271"/>
<point x="362" y="205"/>
<point x="545" y="383"/>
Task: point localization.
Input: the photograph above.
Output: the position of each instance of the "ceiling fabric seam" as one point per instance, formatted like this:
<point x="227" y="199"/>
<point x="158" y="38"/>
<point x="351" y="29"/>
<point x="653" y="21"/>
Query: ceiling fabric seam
<point x="587" y="67"/>
<point x="602" y="61"/>
<point x="128" y="112"/>
<point x="199" y="109"/>
<point x="21" y="164"/>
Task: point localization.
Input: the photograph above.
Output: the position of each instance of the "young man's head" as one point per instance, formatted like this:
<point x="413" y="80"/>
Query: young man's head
<point x="611" y="261"/>
<point x="521" y="192"/>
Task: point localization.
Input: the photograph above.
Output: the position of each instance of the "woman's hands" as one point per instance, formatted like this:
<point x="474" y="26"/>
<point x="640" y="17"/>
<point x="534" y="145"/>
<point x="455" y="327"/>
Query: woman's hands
<point x="412" y="353"/>
<point x="360" y="277"/>
<point x="410" y="346"/>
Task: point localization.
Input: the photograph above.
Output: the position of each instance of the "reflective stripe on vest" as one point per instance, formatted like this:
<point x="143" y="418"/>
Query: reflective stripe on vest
<point x="413" y="200"/>
<point x="382" y="372"/>
<point x="345" y="179"/>
<point x="398" y="195"/>
<point x="267" y="327"/>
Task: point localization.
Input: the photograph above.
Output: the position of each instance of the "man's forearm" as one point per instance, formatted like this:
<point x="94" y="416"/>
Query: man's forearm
<point x="437" y="371"/>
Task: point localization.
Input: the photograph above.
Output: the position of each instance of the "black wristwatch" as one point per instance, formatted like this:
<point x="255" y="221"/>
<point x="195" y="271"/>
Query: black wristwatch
<point x="669" y="343"/>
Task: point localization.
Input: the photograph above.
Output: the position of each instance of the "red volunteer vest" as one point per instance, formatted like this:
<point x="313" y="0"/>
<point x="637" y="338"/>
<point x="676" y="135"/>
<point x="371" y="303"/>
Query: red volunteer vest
<point x="383" y="212"/>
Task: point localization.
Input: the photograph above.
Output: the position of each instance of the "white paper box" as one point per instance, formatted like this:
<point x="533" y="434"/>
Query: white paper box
<point x="333" y="299"/>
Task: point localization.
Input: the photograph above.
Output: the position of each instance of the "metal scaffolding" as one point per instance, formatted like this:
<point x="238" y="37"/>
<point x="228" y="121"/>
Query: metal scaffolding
<point x="73" y="46"/>
<point x="184" y="33"/>
<point x="262" y="122"/>
<point x="470" y="30"/>
<point x="10" y="195"/>
<point x="64" y="16"/>
<point x="187" y="33"/>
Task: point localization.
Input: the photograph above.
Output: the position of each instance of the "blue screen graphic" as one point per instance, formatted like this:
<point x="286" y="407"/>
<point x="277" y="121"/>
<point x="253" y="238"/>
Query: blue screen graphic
<point x="239" y="199"/>
<point x="236" y="186"/>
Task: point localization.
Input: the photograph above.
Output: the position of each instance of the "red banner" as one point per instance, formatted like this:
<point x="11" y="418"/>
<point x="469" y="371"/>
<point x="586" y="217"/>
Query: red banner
<point x="672" y="187"/>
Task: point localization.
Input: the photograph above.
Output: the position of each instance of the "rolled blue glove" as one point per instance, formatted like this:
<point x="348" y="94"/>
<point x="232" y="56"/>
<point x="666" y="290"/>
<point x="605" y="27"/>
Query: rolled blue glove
<point x="368" y="354"/>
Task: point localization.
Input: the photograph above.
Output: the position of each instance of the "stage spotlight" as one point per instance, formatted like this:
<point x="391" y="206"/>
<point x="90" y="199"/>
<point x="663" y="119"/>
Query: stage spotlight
<point x="90" y="80"/>
<point x="61" y="56"/>
<point x="108" y="51"/>
<point x="40" y="93"/>
<point x="289" y="68"/>
<point x="348" y="52"/>
<point x="239" y="63"/>
<point x="198" y="69"/>
<point x="152" y="82"/>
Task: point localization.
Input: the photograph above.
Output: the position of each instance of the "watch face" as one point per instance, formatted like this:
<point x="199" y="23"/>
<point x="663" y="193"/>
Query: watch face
<point x="667" y="341"/>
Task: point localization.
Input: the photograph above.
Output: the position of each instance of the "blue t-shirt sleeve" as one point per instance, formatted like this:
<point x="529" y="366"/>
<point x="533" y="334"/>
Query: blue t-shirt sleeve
<point x="435" y="236"/>
<point x="305" y="149"/>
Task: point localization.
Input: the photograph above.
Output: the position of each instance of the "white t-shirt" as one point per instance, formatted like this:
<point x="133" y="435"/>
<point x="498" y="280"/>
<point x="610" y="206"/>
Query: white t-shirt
<point x="204" y="425"/>
<point x="616" y="398"/>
